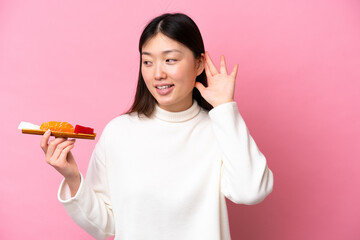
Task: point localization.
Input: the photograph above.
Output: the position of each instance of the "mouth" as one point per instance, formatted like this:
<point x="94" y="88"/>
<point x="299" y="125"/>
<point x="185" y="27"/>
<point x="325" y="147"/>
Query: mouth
<point x="164" y="86"/>
<point x="164" y="89"/>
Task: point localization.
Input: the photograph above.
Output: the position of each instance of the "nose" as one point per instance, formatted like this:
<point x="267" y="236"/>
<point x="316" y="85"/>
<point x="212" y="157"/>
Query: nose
<point x="159" y="72"/>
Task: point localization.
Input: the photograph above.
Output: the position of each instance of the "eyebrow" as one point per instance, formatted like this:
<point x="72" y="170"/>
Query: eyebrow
<point x="163" y="52"/>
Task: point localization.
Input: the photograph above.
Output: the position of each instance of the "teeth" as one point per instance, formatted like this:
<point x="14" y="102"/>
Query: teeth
<point x="163" y="87"/>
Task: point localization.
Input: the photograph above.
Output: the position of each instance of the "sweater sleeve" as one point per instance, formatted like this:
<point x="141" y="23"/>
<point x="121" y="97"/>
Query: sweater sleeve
<point x="91" y="207"/>
<point x="245" y="176"/>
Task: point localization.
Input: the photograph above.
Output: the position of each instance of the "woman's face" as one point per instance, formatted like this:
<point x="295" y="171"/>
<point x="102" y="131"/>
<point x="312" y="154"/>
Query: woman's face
<point x="169" y="70"/>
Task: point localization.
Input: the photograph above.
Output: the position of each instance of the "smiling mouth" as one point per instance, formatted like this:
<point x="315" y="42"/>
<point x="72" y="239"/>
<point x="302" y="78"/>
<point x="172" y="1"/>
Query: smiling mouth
<point x="164" y="87"/>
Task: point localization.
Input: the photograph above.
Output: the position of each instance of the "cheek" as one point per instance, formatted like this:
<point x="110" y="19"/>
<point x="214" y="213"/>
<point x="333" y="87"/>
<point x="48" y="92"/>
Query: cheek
<point x="183" y="73"/>
<point x="146" y="76"/>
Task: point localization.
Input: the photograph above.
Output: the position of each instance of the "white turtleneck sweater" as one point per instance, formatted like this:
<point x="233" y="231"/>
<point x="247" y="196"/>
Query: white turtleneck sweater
<point x="166" y="177"/>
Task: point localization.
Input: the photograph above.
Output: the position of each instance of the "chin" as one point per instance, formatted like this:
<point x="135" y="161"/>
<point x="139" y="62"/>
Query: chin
<point x="164" y="100"/>
<point x="165" y="103"/>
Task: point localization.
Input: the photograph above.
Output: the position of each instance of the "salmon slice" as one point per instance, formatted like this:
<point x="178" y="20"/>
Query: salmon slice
<point x="57" y="126"/>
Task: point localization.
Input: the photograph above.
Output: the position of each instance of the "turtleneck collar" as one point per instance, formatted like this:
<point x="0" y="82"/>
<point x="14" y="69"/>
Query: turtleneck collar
<point x="182" y="116"/>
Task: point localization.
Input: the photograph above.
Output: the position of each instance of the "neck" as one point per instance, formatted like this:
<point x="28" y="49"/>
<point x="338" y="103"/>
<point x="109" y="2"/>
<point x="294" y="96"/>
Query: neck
<point x="180" y="116"/>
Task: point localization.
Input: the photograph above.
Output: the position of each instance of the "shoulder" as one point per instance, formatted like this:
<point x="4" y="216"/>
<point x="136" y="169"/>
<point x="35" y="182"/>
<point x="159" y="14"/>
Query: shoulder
<point x="204" y="115"/>
<point x="122" y="121"/>
<point x="118" y="126"/>
<point x="125" y="122"/>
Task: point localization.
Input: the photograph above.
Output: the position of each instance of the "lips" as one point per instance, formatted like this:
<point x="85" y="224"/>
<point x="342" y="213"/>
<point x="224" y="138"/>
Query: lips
<point x="164" y="86"/>
<point x="164" y="89"/>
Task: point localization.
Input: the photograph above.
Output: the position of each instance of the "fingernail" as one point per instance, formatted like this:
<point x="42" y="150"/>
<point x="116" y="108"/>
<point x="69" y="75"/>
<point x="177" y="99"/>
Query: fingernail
<point x="48" y="131"/>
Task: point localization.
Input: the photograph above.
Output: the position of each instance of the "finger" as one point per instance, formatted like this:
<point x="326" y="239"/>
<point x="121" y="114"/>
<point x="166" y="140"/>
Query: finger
<point x="52" y="146"/>
<point x="200" y="87"/>
<point x="59" y="149"/>
<point x="212" y="67"/>
<point x="223" y="65"/>
<point x="234" y="71"/>
<point x="66" y="151"/>
<point x="44" y="140"/>
<point x="207" y="71"/>
<point x="59" y="165"/>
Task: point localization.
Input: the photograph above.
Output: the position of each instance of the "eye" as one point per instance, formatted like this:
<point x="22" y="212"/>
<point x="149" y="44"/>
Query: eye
<point x="171" y="60"/>
<point x="147" y="63"/>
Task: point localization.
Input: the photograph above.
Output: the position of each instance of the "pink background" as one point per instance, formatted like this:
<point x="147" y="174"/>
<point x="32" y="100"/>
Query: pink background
<point x="298" y="90"/>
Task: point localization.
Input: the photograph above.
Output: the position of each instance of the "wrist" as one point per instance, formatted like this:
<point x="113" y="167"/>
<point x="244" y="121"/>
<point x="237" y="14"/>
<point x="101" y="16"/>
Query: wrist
<point x="222" y="102"/>
<point x="73" y="179"/>
<point x="73" y="183"/>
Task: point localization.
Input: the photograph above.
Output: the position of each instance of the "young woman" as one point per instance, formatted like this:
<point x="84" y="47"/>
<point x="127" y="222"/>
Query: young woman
<point x="162" y="170"/>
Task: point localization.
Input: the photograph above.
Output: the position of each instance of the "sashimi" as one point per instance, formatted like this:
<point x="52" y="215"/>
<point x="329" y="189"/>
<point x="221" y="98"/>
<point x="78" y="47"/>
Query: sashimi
<point x="57" y="126"/>
<point x="82" y="129"/>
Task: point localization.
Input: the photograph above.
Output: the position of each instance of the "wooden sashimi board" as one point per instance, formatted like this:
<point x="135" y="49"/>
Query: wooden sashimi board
<point x="60" y="134"/>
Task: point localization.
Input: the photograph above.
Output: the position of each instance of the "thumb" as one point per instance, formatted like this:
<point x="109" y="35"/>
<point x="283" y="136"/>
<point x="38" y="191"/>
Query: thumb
<point x="200" y="87"/>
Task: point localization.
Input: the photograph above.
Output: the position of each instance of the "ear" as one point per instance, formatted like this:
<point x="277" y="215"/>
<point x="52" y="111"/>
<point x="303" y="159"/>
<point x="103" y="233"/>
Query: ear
<point x="200" y="64"/>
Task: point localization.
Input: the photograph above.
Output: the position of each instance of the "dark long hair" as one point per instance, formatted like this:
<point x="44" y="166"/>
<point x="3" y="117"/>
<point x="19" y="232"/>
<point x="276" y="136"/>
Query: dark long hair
<point x="182" y="29"/>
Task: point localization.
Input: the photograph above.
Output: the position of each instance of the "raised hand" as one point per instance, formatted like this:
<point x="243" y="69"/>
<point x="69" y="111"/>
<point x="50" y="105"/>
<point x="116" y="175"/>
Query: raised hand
<point x="221" y="85"/>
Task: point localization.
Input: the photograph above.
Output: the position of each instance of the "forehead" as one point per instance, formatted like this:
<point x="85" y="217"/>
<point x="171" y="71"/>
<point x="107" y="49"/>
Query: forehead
<point x="161" y="43"/>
